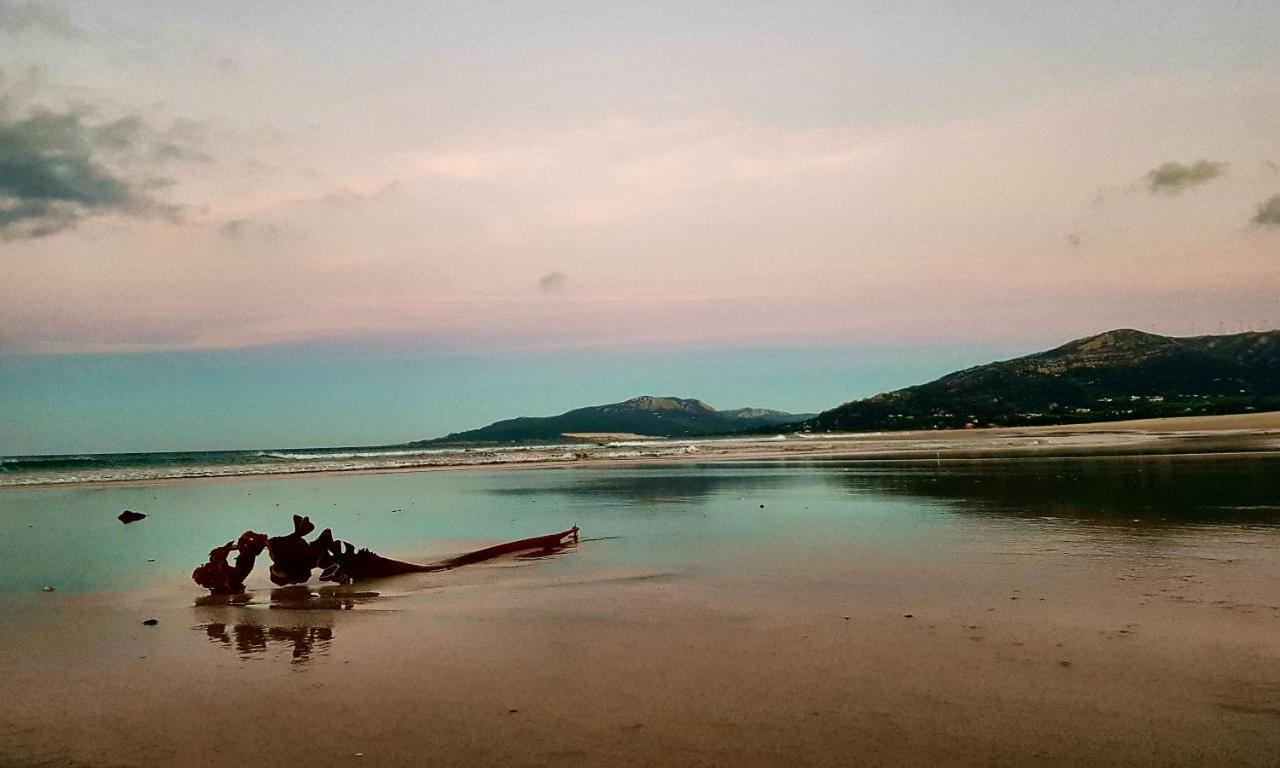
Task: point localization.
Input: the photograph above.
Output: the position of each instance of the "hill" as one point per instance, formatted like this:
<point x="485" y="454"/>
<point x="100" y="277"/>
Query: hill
<point x="1122" y="374"/>
<point x="646" y="415"/>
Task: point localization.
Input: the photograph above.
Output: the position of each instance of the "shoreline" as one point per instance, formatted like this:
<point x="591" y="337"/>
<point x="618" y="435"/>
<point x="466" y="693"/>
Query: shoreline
<point x="1194" y="435"/>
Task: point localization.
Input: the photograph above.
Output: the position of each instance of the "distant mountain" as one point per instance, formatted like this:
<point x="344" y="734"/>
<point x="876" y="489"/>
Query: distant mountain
<point x="647" y="415"/>
<point x="1124" y="374"/>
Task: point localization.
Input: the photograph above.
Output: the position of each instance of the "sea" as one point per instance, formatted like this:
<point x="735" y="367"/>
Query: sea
<point x="107" y="467"/>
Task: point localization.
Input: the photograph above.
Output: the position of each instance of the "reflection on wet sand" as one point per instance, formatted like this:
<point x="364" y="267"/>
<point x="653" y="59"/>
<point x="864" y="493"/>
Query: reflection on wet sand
<point x="654" y="486"/>
<point x="298" y="597"/>
<point x="1152" y="491"/>
<point x="251" y="637"/>
<point x="249" y="640"/>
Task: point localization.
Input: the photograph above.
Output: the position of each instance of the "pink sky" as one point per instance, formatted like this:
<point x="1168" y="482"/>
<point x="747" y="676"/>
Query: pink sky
<point x="837" y="194"/>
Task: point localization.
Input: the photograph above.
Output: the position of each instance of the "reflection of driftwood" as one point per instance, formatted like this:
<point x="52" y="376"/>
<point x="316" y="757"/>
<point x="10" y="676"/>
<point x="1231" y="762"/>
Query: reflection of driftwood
<point x="293" y="558"/>
<point x="249" y="639"/>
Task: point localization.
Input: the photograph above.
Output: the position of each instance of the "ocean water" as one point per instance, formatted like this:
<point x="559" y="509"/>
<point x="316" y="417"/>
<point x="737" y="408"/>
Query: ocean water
<point x="108" y="467"/>
<point x="669" y="517"/>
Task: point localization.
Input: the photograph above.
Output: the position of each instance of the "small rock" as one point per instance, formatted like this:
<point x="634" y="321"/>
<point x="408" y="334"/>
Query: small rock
<point x="762" y="506"/>
<point x="129" y="516"/>
<point x="1064" y="663"/>
<point x="47" y="589"/>
<point x="151" y="622"/>
<point x="512" y="711"/>
<point x="908" y="615"/>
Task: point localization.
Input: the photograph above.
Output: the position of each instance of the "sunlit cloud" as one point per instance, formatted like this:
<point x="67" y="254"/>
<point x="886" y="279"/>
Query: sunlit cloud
<point x="475" y="165"/>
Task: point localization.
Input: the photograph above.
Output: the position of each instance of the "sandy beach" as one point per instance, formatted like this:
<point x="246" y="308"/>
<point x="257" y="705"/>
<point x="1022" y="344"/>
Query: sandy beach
<point x="1078" y="609"/>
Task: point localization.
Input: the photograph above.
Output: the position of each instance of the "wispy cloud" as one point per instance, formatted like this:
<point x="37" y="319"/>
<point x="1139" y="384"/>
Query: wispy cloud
<point x="475" y="165"/>
<point x="1268" y="211"/>
<point x="239" y="229"/>
<point x="553" y="282"/>
<point x="1173" y="177"/>
<point x="16" y="17"/>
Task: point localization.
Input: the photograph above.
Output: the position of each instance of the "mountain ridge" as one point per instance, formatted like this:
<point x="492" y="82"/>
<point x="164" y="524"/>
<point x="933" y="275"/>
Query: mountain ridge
<point x="1119" y="374"/>
<point x="646" y="415"/>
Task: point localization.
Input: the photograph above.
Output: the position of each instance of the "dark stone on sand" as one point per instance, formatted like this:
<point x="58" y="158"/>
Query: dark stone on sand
<point x="151" y="622"/>
<point x="129" y="516"/>
<point x="908" y="615"/>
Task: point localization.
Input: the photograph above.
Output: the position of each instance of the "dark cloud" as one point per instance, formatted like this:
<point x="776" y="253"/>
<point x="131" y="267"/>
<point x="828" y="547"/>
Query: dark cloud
<point x="17" y="17"/>
<point x="59" y="168"/>
<point x="1174" y="177"/>
<point x="1075" y="239"/>
<point x="553" y="282"/>
<point x="1268" y="211"/>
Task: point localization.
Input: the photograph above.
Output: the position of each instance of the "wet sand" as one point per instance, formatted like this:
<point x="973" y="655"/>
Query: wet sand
<point x="1081" y="611"/>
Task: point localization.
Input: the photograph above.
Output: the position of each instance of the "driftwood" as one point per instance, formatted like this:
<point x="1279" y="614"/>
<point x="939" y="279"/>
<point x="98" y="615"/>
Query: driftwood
<point x="293" y="558"/>
<point x="343" y="564"/>
<point x="220" y="577"/>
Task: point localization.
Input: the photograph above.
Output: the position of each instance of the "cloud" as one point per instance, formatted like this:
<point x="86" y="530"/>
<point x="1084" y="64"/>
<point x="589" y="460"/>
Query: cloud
<point x="553" y="282"/>
<point x="1268" y="211"/>
<point x="238" y="229"/>
<point x="472" y="166"/>
<point x="56" y="169"/>
<point x="1076" y="239"/>
<point x="1173" y="177"/>
<point x="37" y="17"/>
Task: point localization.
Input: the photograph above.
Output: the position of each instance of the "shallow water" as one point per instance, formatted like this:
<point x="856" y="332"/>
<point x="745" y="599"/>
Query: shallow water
<point x="800" y="583"/>
<point x="707" y="519"/>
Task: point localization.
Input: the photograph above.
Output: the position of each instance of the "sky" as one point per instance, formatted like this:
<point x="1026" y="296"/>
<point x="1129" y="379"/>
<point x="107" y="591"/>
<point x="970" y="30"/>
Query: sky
<point x="239" y="224"/>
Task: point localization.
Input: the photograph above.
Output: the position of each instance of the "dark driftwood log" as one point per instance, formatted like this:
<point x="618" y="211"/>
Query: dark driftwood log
<point x="343" y="564"/>
<point x="220" y="577"/>
<point x="293" y="558"/>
